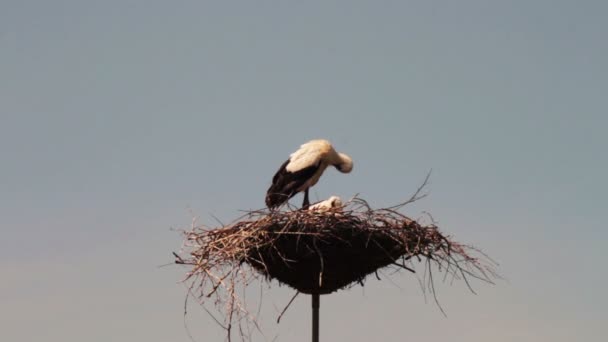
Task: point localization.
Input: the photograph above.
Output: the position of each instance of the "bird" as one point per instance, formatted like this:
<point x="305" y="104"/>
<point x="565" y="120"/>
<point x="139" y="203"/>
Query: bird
<point x="328" y="204"/>
<point x="303" y="169"/>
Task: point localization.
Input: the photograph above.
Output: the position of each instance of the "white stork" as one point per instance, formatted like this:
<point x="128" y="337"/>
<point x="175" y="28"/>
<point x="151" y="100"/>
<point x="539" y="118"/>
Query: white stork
<point x="303" y="169"/>
<point x="328" y="204"/>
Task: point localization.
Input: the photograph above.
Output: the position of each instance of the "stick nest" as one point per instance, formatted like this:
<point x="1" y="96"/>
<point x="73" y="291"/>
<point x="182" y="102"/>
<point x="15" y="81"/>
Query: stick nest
<point x="319" y="252"/>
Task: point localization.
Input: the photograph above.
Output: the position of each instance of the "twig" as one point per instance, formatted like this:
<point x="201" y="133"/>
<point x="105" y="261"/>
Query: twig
<point x="287" y="306"/>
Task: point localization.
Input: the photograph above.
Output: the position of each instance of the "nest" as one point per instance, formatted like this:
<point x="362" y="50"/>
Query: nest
<point x="322" y="252"/>
<point x="319" y="252"/>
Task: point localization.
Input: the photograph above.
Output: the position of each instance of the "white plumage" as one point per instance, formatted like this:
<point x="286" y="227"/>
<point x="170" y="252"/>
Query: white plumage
<point x="330" y="203"/>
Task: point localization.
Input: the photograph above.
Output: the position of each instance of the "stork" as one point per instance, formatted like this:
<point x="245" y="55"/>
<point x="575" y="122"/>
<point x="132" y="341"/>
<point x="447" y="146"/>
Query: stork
<point x="328" y="204"/>
<point x="303" y="169"/>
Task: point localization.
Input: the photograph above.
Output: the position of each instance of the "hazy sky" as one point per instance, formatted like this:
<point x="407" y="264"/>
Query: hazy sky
<point x="121" y="119"/>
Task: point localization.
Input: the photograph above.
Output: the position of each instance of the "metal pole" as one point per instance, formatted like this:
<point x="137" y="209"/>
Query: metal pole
<point x="315" y="317"/>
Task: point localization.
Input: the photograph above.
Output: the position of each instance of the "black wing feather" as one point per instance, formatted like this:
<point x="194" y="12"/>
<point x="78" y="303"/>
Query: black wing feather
<point x="285" y="184"/>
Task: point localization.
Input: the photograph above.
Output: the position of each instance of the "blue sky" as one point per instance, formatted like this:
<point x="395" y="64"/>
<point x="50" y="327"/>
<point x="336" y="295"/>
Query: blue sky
<point x="121" y="119"/>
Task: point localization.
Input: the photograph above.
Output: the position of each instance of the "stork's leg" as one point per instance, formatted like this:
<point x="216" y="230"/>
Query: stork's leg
<point x="306" y="203"/>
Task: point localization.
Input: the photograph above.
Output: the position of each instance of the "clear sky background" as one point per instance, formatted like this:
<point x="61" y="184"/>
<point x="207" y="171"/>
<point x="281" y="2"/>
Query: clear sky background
<point x="121" y="119"/>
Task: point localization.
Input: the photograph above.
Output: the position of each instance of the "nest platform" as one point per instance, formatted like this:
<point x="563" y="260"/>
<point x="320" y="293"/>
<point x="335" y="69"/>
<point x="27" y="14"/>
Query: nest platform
<point x="319" y="252"/>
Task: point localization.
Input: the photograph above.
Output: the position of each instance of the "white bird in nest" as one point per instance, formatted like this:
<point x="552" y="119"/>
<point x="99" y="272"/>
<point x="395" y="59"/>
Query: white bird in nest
<point x="303" y="169"/>
<point x="328" y="204"/>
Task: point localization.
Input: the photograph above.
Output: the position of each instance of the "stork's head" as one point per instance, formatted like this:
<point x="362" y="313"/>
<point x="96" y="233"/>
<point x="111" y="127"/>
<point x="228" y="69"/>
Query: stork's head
<point x="344" y="163"/>
<point x="335" y="201"/>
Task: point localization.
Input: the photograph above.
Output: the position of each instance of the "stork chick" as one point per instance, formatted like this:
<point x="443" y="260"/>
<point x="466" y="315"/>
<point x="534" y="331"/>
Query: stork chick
<point x="328" y="204"/>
